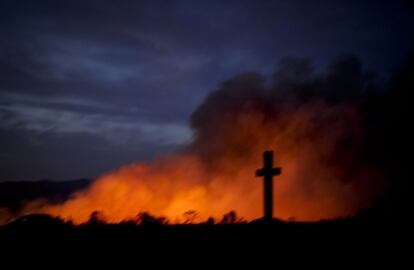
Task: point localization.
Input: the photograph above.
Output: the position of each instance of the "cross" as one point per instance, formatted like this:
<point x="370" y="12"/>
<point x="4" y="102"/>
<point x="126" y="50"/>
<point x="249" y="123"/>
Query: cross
<point x="268" y="172"/>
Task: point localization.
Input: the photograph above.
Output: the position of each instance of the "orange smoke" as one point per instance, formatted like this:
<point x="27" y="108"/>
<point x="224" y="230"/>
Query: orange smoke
<point x="317" y="181"/>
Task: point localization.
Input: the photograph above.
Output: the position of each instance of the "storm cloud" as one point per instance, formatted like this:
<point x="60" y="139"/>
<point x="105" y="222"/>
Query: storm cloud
<point x="99" y="84"/>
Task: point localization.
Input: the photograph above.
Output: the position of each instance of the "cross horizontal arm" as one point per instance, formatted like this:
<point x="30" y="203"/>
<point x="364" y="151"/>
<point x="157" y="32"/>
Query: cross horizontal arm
<point x="266" y="171"/>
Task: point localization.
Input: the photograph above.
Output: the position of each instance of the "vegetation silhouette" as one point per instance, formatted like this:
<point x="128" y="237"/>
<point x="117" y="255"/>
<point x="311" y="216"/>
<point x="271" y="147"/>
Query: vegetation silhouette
<point x="148" y="229"/>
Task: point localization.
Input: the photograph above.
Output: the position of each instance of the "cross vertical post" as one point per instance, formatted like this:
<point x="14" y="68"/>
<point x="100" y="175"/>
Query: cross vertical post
<point x="268" y="172"/>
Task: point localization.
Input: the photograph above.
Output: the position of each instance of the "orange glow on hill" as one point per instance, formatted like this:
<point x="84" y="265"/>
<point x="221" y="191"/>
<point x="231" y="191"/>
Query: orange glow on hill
<point x="312" y="186"/>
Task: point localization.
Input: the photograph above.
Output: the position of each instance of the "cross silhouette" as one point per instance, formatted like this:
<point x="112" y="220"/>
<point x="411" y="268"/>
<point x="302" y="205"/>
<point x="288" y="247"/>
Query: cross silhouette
<point x="268" y="172"/>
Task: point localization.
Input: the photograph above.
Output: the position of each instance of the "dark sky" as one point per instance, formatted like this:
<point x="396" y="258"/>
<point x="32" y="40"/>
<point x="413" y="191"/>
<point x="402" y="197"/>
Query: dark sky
<point x="86" y="86"/>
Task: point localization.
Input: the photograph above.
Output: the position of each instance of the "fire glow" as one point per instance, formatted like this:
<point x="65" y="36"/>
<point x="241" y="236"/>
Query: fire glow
<point x="318" y="142"/>
<point x="312" y="186"/>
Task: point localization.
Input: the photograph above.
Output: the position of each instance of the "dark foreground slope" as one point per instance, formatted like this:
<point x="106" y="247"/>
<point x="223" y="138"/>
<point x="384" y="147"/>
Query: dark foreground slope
<point x="45" y="229"/>
<point x="335" y="243"/>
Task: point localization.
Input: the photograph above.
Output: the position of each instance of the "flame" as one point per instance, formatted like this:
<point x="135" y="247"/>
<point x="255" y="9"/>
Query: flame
<point x="317" y="181"/>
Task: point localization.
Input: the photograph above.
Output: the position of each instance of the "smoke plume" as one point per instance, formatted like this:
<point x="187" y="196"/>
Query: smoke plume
<point x="325" y="129"/>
